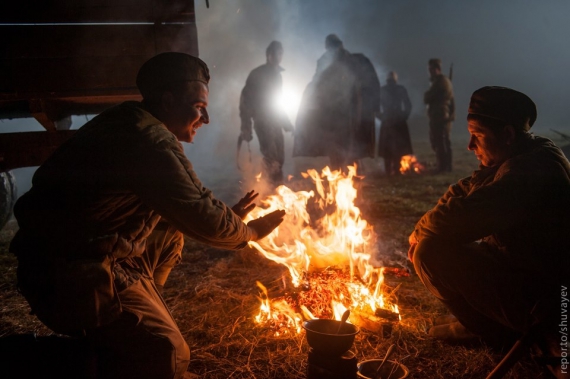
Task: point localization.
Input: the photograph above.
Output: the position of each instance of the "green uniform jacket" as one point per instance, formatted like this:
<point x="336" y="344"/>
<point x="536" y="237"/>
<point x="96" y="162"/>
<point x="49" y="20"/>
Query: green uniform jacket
<point x="521" y="208"/>
<point x="439" y="100"/>
<point x="97" y="199"/>
<point x="112" y="179"/>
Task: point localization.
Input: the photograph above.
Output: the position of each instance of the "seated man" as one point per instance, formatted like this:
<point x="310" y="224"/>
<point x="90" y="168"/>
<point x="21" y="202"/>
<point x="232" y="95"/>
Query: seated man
<point x="103" y="223"/>
<point x="495" y="248"/>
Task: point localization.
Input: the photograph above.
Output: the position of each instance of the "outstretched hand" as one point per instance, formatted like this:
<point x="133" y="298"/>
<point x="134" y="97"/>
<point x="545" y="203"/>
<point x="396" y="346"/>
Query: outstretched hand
<point x="244" y="206"/>
<point x="265" y="225"/>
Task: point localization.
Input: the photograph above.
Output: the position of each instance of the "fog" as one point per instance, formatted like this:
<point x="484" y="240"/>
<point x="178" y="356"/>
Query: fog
<point x="518" y="44"/>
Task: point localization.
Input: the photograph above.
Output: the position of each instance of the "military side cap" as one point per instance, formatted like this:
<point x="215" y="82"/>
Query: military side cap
<point x="167" y="68"/>
<point x="503" y="104"/>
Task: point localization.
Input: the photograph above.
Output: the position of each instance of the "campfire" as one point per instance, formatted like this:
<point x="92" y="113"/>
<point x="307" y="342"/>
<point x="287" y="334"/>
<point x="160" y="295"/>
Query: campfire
<point x="327" y="247"/>
<point x="410" y="165"/>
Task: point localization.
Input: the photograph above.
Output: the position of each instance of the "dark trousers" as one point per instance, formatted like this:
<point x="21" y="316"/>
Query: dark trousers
<point x="480" y="287"/>
<point x="272" y="146"/>
<point x="392" y="163"/>
<point x="145" y="341"/>
<point x="439" y="138"/>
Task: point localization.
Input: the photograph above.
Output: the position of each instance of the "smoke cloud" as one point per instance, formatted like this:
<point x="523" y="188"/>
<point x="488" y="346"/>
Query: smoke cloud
<point x="513" y="43"/>
<point x="517" y="44"/>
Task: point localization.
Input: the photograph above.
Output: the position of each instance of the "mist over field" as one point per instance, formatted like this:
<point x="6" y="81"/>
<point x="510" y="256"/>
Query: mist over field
<point x="519" y="44"/>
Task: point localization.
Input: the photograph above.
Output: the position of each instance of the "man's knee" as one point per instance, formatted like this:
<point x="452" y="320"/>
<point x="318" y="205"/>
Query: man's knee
<point x="437" y="259"/>
<point x="427" y="254"/>
<point x="143" y="354"/>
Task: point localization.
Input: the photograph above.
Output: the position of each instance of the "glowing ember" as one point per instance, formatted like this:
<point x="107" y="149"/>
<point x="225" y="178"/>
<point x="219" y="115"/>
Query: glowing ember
<point x="277" y="314"/>
<point x="319" y="232"/>
<point x="409" y="164"/>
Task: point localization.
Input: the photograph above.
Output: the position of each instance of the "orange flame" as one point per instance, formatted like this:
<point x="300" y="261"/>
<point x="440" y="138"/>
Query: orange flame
<point x="278" y="313"/>
<point x="409" y="164"/>
<point x="341" y="237"/>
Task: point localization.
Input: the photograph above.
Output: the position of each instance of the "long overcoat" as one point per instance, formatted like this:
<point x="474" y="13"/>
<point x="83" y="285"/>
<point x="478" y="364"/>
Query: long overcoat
<point x="395" y="108"/>
<point x="338" y="108"/>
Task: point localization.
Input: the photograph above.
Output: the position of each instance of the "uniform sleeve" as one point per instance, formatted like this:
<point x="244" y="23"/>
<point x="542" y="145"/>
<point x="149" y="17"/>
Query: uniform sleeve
<point x="465" y="216"/>
<point x="440" y="91"/>
<point x="165" y="181"/>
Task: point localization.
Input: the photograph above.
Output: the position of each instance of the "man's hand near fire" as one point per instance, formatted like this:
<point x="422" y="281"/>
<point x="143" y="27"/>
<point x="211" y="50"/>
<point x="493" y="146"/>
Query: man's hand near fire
<point x="245" y="205"/>
<point x="265" y="225"/>
<point x="413" y="243"/>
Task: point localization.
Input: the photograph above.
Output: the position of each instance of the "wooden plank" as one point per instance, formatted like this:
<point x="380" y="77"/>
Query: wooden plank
<point x="381" y="327"/>
<point x="54" y="71"/>
<point x="52" y="41"/>
<point x="81" y="58"/>
<point x="81" y="11"/>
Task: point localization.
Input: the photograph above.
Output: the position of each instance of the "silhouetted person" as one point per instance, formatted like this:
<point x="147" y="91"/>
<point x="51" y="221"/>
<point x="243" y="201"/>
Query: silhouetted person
<point x="395" y="108"/>
<point x="258" y="103"/>
<point x="102" y="226"/>
<point x="337" y="113"/>
<point x="441" y="112"/>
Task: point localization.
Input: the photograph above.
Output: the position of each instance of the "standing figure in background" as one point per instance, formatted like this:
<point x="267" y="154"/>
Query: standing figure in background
<point x="395" y="108"/>
<point x="441" y="112"/>
<point x="337" y="113"/>
<point x="259" y="103"/>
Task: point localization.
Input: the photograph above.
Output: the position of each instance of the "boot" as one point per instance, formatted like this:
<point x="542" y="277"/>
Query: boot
<point x="548" y="353"/>
<point x="453" y="333"/>
<point x="445" y="319"/>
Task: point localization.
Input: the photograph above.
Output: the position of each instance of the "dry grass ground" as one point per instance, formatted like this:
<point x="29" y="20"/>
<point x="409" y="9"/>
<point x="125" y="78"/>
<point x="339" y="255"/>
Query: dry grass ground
<point x="213" y="297"/>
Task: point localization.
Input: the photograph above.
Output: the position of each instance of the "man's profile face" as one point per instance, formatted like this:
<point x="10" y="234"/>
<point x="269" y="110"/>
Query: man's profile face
<point x="188" y="111"/>
<point x="490" y="148"/>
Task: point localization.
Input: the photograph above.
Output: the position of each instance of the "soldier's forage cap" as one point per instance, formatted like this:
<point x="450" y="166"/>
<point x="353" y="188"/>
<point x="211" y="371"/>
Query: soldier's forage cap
<point x="503" y="104"/>
<point x="166" y="68"/>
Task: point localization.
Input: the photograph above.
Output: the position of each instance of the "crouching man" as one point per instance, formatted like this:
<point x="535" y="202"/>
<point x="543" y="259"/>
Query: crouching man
<point x="495" y="249"/>
<point x="103" y="223"/>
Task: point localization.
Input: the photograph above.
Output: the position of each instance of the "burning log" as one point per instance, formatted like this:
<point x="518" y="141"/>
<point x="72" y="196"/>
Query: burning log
<point x="398" y="272"/>
<point x="328" y="258"/>
<point x="372" y="323"/>
<point x="386" y="314"/>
